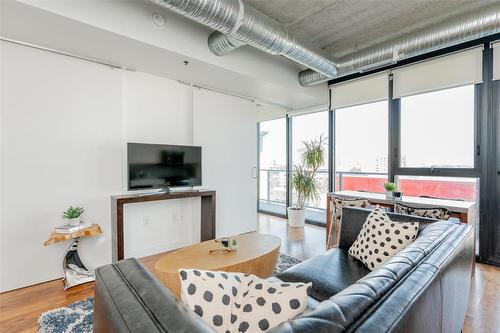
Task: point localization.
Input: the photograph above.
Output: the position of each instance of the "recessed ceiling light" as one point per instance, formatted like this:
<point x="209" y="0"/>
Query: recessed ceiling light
<point x="158" y="19"/>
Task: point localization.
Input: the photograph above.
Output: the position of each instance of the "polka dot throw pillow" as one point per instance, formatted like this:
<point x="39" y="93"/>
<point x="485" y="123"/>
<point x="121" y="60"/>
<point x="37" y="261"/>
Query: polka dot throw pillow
<point x="237" y="302"/>
<point x="380" y="239"/>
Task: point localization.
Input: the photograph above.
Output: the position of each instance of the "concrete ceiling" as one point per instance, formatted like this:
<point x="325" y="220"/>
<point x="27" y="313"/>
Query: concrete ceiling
<point x="341" y="27"/>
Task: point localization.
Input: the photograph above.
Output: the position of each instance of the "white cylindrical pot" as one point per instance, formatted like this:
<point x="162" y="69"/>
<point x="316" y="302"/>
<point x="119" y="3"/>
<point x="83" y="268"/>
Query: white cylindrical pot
<point x="389" y="195"/>
<point x="296" y="217"/>
<point x="74" y="222"/>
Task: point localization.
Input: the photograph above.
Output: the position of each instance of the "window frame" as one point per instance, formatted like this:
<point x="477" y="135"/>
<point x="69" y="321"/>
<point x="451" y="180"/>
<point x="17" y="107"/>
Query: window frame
<point x="289" y="164"/>
<point x="290" y="119"/>
<point x="395" y="144"/>
<point x="487" y="130"/>
<point x="259" y="209"/>
<point x="333" y="172"/>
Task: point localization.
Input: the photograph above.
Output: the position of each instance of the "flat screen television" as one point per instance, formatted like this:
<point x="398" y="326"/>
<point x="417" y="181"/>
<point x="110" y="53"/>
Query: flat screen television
<point x="155" y="166"/>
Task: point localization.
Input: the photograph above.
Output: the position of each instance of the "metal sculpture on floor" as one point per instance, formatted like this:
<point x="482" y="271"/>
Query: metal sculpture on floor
<point x="75" y="272"/>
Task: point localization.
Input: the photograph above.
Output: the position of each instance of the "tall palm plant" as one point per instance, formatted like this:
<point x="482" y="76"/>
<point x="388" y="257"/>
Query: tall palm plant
<point x="312" y="157"/>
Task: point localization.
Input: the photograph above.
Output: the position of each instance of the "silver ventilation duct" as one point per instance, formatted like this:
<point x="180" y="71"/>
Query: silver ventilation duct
<point x="221" y="44"/>
<point x="452" y="32"/>
<point x="464" y="28"/>
<point x="247" y="25"/>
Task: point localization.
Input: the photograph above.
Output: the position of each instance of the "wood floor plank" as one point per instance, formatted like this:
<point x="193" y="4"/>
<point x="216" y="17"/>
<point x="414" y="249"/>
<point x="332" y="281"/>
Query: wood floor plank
<point x="20" y="309"/>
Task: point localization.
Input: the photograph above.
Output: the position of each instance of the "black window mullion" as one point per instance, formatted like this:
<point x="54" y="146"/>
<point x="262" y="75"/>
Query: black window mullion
<point x="289" y="162"/>
<point x="487" y="213"/>
<point x="259" y="143"/>
<point x="393" y="118"/>
<point x="331" y="145"/>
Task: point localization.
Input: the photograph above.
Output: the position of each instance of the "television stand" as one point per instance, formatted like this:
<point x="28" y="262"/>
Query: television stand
<point x="207" y="224"/>
<point x="160" y="192"/>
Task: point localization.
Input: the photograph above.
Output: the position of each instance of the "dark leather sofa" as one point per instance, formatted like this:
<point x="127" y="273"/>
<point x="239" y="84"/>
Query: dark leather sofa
<point x="424" y="288"/>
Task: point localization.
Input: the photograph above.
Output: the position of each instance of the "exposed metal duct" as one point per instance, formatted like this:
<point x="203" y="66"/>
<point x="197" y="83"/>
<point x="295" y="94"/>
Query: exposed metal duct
<point x="221" y="44"/>
<point x="452" y="32"/>
<point x="455" y="31"/>
<point x="247" y="25"/>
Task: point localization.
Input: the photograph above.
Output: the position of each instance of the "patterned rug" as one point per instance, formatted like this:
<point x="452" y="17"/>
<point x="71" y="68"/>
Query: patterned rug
<point x="77" y="317"/>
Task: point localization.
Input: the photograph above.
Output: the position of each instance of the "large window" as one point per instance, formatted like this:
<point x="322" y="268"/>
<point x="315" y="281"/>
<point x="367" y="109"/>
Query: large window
<point x="415" y="126"/>
<point x="437" y="129"/>
<point x="438" y="137"/>
<point x="361" y="134"/>
<point x="272" y="166"/>
<point x="308" y="127"/>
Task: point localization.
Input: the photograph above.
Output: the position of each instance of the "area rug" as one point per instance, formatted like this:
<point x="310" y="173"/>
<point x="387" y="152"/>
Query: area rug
<point x="74" y="318"/>
<point x="284" y="262"/>
<point x="77" y="317"/>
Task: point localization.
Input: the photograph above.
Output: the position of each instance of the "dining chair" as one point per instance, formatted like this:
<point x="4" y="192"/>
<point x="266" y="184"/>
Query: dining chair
<point x="336" y="204"/>
<point x="440" y="213"/>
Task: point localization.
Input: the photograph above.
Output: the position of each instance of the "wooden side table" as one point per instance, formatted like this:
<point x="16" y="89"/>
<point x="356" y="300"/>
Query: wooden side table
<point x="75" y="272"/>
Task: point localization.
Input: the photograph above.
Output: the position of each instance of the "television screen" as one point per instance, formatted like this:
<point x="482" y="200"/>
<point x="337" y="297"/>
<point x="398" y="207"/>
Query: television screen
<point x="152" y="166"/>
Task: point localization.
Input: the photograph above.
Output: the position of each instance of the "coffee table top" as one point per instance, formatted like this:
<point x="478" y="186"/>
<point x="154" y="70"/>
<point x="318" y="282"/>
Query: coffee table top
<point x="250" y="247"/>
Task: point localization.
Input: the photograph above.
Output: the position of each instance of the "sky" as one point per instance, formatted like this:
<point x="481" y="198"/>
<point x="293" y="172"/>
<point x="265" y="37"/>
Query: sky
<point x="437" y="129"/>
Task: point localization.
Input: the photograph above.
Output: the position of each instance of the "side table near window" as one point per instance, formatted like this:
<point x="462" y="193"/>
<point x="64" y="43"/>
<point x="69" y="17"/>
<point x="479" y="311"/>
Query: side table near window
<point x="75" y="272"/>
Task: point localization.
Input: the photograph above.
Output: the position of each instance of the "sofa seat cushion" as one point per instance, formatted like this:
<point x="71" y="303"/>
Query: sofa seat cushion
<point x="329" y="273"/>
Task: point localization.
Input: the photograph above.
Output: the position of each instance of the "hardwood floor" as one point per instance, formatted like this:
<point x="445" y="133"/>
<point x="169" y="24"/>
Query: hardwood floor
<point x="19" y="309"/>
<point x="483" y="313"/>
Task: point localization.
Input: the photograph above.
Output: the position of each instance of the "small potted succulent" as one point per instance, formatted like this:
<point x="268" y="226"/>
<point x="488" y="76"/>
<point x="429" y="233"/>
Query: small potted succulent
<point x="73" y="215"/>
<point x="233" y="245"/>
<point x="389" y="190"/>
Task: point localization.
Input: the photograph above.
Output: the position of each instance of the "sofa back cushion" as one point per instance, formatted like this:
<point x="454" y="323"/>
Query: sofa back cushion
<point x="354" y="218"/>
<point x="381" y="238"/>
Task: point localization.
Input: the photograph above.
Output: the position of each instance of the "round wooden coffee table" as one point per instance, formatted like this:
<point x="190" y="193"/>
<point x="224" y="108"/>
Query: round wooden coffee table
<point x="256" y="254"/>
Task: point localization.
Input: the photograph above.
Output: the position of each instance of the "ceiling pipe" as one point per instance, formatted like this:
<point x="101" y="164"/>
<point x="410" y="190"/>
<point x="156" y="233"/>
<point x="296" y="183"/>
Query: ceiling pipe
<point x="465" y="28"/>
<point x="478" y="24"/>
<point x="221" y="44"/>
<point x="249" y="26"/>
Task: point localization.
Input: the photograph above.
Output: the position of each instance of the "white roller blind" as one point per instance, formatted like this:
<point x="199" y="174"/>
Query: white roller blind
<point x="361" y="91"/>
<point x="496" y="60"/>
<point x="312" y="109"/>
<point x="449" y="71"/>
<point x="269" y="112"/>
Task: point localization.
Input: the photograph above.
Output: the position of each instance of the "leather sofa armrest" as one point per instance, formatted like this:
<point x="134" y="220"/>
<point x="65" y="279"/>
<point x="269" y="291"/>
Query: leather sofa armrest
<point x="128" y="298"/>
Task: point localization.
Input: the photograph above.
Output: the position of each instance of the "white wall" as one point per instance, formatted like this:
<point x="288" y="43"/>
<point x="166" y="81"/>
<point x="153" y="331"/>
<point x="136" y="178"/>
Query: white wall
<point x="61" y="145"/>
<point x="225" y="127"/>
<point x="64" y="124"/>
<point x="156" y="108"/>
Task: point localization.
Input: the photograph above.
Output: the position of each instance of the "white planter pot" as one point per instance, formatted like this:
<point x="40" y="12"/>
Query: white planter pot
<point x="74" y="222"/>
<point x="296" y="217"/>
<point x="389" y="195"/>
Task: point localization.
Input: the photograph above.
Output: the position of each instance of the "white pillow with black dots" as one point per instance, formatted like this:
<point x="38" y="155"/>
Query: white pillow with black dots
<point x="380" y="239"/>
<point x="237" y="302"/>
